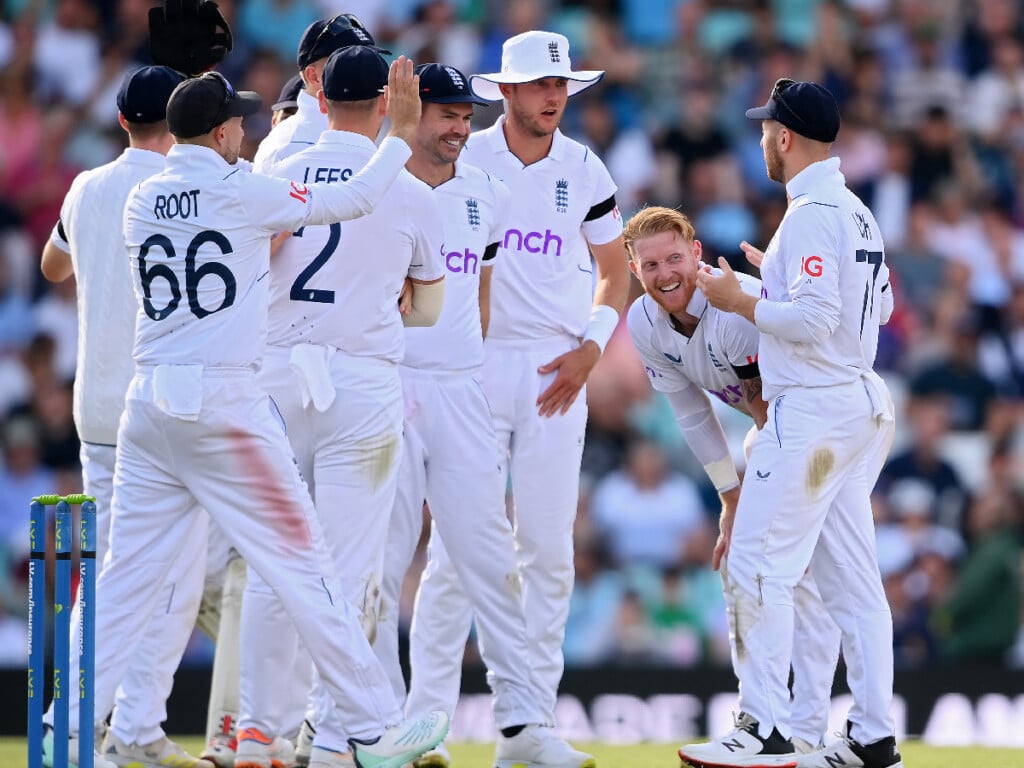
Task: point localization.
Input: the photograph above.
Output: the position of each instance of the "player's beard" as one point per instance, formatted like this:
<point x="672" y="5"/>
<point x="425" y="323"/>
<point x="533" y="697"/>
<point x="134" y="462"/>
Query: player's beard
<point x="773" y="163"/>
<point x="530" y="124"/>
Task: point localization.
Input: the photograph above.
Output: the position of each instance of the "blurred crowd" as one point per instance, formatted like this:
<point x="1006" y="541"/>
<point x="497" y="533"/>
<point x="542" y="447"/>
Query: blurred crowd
<point x="932" y="99"/>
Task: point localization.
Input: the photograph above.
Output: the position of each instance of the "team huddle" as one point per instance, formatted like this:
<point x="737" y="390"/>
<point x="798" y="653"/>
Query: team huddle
<point x="282" y="361"/>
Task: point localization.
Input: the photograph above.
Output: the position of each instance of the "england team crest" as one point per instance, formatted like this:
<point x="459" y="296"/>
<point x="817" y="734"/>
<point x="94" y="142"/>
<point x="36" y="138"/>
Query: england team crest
<point x="473" y="214"/>
<point x="561" y="195"/>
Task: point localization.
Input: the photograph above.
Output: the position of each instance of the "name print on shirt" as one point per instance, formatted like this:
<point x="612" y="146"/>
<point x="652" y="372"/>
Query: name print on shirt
<point x="183" y="205"/>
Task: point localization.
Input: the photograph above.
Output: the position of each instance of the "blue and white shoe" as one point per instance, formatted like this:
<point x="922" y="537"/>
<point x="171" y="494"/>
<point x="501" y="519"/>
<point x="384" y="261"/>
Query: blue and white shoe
<point x="401" y="743"/>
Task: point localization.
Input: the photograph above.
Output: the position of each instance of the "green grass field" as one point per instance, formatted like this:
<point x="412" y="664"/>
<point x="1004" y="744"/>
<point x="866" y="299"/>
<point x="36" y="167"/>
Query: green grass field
<point x="915" y="755"/>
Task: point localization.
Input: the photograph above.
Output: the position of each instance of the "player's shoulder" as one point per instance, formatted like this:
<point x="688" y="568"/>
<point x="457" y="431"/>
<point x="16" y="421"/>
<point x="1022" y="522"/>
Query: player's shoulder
<point x="750" y="284"/>
<point x="642" y="317"/>
<point x="478" y="182"/>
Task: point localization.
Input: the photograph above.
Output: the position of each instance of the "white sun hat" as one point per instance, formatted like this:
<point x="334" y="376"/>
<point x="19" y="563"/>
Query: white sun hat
<point x="531" y="56"/>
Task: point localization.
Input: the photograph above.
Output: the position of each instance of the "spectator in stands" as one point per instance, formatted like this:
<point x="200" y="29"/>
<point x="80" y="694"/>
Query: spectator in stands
<point x="922" y="460"/>
<point x="982" y="615"/>
<point x="645" y="512"/>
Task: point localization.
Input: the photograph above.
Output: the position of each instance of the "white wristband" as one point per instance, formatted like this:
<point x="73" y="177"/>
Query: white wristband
<point x="603" y="321"/>
<point x="723" y="474"/>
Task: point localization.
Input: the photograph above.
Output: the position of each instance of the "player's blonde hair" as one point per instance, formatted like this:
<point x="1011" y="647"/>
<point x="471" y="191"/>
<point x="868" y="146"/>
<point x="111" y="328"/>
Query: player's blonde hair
<point x="654" y="220"/>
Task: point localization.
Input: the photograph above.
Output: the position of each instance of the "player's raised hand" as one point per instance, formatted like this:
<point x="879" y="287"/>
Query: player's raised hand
<point x="572" y="369"/>
<point x="754" y="255"/>
<point x="190" y="36"/>
<point x="720" y="290"/>
<point x="403" y="92"/>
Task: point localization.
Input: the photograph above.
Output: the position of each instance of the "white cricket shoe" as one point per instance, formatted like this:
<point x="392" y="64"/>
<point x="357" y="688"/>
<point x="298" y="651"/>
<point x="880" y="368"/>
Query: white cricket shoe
<point x="304" y="744"/>
<point x="537" y="746"/>
<point x="849" y="753"/>
<point x="98" y="760"/>
<point x="743" y="748"/>
<point x="257" y="750"/>
<point x="401" y="743"/>
<point x="438" y="757"/>
<point x="327" y="758"/>
<point x="162" y="753"/>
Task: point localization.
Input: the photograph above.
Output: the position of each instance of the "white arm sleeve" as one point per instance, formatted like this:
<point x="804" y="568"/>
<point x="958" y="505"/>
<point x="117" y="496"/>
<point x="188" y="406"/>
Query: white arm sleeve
<point x="813" y="313"/>
<point x="700" y="426"/>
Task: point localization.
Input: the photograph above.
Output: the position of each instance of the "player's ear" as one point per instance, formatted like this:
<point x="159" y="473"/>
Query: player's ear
<point x="698" y="249"/>
<point x="322" y="101"/>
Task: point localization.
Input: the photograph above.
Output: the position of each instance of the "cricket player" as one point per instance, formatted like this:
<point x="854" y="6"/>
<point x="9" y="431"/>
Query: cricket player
<point x="812" y="467"/>
<point x="287" y="103"/>
<point x="548" y="327"/>
<point x="691" y="350"/>
<point x="331" y="365"/>
<point x="84" y="244"/>
<point x="321" y="38"/>
<point x="199" y="433"/>
<point x="450" y="455"/>
<point x="264" y="621"/>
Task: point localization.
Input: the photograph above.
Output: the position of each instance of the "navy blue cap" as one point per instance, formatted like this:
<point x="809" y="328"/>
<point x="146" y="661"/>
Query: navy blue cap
<point x="200" y="104"/>
<point x="804" y="108"/>
<point x="143" y="95"/>
<point x="289" y="98"/>
<point x="324" y="36"/>
<point x="442" y="84"/>
<point x="355" y="73"/>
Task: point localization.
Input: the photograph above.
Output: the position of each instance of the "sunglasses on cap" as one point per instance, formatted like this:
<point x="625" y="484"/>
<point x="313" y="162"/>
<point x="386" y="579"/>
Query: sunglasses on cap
<point x="229" y="94"/>
<point x="781" y="86"/>
<point x="340" y="23"/>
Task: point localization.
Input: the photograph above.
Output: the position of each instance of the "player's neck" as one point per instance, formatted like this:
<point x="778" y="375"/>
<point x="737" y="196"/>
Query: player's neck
<point x="683" y="323"/>
<point x="432" y="174"/>
<point x="527" y="146"/>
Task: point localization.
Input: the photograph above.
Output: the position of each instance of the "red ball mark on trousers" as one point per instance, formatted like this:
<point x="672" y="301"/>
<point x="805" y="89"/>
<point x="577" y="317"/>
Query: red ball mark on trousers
<point x="289" y="520"/>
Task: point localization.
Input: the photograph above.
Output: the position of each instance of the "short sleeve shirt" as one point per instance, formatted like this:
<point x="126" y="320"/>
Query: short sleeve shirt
<point x="722" y="351"/>
<point x="339" y="285"/>
<point x="473" y="208"/>
<point x="543" y="284"/>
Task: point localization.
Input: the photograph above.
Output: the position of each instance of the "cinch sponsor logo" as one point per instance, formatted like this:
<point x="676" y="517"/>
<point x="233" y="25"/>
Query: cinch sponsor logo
<point x="461" y="261"/>
<point x="533" y="242"/>
<point x="731" y="394"/>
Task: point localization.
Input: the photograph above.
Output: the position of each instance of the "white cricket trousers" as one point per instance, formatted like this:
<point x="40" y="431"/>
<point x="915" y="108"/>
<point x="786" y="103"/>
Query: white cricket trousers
<point x="450" y="458"/>
<point x="141" y="699"/>
<point x="543" y="455"/>
<point x="815" y="654"/>
<point x="235" y="462"/>
<point x="806" y="502"/>
<point x="349" y="454"/>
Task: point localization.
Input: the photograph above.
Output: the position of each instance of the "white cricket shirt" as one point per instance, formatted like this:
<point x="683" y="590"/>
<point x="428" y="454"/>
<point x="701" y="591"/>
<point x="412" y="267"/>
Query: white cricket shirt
<point x="339" y="285"/>
<point x="823" y="276"/>
<point x="291" y="136"/>
<point x="544" y="285"/>
<point x="89" y="230"/>
<point x="474" y="207"/>
<point x="198" y="235"/>
<point x="712" y="359"/>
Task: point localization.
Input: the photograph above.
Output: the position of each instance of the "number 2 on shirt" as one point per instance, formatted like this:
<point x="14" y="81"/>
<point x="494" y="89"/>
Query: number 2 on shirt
<point x="874" y="258"/>
<point x="299" y="291"/>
